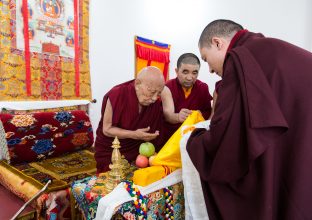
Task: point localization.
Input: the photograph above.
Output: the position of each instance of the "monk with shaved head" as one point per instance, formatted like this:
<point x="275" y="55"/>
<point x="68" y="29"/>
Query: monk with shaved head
<point x="185" y="93"/>
<point x="255" y="160"/>
<point x="131" y="111"/>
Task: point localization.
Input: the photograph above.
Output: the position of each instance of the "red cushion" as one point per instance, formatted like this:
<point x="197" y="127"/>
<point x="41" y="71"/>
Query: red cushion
<point x="36" y="136"/>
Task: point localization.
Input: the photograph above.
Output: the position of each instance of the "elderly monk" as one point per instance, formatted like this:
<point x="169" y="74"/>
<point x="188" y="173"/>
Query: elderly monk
<point x="185" y="93"/>
<point x="131" y="111"/>
<point x="255" y="161"/>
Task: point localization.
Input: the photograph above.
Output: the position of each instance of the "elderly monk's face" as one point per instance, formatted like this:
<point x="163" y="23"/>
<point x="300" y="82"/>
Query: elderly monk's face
<point x="148" y="92"/>
<point x="187" y="74"/>
<point x="214" y="57"/>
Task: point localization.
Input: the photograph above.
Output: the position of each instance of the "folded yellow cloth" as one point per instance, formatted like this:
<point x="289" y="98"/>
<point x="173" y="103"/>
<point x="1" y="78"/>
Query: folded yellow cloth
<point x="168" y="158"/>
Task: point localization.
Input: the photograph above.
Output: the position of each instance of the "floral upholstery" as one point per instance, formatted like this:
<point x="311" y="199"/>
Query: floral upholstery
<point x="36" y="136"/>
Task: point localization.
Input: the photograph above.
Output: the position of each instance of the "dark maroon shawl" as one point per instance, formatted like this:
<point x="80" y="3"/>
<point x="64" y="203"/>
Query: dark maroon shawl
<point x="255" y="161"/>
<point x="126" y="115"/>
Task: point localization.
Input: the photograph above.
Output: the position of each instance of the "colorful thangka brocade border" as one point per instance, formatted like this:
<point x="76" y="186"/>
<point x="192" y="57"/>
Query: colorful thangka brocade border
<point x="47" y="63"/>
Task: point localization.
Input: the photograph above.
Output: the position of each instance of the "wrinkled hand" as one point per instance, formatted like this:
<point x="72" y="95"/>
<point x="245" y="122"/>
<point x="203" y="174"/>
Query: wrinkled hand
<point x="182" y="115"/>
<point x="143" y="134"/>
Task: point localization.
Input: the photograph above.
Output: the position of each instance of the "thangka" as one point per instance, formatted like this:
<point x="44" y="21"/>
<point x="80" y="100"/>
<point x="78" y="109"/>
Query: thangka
<point x="50" y="60"/>
<point x="152" y="53"/>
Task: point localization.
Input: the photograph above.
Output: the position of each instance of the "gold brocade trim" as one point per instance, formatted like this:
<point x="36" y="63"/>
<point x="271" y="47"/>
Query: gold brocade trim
<point x="57" y="183"/>
<point x="17" y="185"/>
<point x="4" y="180"/>
<point x="20" y="174"/>
<point x="72" y="200"/>
<point x="70" y="168"/>
<point x="26" y="216"/>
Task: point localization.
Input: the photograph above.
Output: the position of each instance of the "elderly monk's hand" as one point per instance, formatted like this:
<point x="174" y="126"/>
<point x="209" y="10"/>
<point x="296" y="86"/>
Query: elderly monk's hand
<point x="182" y="115"/>
<point x="143" y="134"/>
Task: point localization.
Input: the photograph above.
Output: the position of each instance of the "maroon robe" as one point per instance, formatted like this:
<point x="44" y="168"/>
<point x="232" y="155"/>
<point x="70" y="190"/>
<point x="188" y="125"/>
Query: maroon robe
<point x="126" y="115"/>
<point x="255" y="161"/>
<point x="198" y="99"/>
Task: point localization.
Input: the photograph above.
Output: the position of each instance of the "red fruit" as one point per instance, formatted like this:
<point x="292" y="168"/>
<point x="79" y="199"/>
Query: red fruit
<point x="141" y="161"/>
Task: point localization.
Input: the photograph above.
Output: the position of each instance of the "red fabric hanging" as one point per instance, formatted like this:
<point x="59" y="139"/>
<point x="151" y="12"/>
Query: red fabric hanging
<point x="77" y="55"/>
<point x="146" y="53"/>
<point x="26" y="44"/>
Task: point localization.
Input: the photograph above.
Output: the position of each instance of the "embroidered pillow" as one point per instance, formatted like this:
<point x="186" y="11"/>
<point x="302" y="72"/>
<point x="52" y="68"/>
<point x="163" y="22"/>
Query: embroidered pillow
<point x="36" y="136"/>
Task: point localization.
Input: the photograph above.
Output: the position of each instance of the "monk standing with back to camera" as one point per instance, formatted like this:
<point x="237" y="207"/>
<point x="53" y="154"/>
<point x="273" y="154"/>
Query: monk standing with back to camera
<point x="255" y="160"/>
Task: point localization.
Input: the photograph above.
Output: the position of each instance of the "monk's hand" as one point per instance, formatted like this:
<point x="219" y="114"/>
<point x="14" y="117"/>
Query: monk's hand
<point x="182" y="115"/>
<point x="145" y="135"/>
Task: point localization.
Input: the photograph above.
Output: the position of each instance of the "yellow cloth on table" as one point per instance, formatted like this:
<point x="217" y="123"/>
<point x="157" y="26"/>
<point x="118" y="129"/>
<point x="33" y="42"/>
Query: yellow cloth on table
<point x="168" y="158"/>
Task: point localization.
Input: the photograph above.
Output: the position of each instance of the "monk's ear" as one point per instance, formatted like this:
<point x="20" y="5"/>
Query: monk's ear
<point x="176" y="70"/>
<point x="217" y="42"/>
<point x="137" y="82"/>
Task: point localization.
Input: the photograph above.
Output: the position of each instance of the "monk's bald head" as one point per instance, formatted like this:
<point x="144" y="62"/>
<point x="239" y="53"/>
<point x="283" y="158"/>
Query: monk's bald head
<point x="151" y="74"/>
<point x="149" y="84"/>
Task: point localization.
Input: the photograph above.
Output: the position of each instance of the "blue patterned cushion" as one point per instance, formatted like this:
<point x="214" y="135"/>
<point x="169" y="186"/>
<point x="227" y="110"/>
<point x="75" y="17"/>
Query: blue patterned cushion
<point x="36" y="136"/>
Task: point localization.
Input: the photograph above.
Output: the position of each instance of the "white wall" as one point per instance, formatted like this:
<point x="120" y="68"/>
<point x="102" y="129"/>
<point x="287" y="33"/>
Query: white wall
<point x="114" y="23"/>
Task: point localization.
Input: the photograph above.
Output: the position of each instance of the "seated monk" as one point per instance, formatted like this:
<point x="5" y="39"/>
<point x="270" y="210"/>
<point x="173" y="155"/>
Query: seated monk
<point x="131" y="111"/>
<point x="185" y="93"/>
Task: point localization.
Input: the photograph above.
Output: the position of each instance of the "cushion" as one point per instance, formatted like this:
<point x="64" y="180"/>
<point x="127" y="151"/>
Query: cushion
<point x="36" y="136"/>
<point x="25" y="180"/>
<point x="56" y="109"/>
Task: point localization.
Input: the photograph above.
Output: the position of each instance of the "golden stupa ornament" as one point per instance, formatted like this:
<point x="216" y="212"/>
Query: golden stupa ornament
<point x="119" y="168"/>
